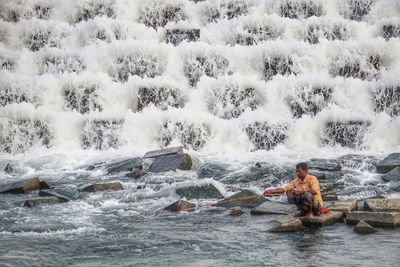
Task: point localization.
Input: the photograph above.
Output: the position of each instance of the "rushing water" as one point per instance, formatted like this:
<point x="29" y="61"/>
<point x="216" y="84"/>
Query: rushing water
<point x="235" y="82"/>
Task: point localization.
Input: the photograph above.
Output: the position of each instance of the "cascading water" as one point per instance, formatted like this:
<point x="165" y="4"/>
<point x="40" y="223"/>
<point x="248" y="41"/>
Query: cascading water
<point x="235" y="82"/>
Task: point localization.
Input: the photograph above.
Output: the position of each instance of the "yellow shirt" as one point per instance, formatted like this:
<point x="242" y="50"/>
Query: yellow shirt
<point x="310" y="182"/>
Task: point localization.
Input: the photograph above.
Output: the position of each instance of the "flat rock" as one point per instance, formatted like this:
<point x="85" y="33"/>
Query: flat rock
<point x="204" y="191"/>
<point x="127" y="165"/>
<point x="163" y="152"/>
<point x="270" y="207"/>
<point x="246" y="198"/>
<point x="343" y="206"/>
<point x="236" y="211"/>
<point x="40" y="201"/>
<point x="324" y="164"/>
<point x="323" y="219"/>
<point x="285" y="224"/>
<point x="171" y="162"/>
<point x="104" y="187"/>
<point x="329" y="197"/>
<point x="383" y="205"/>
<point x="22" y="186"/>
<point x="389" y="163"/>
<point x="392" y="176"/>
<point x="364" y="228"/>
<point x="51" y="193"/>
<point x="181" y="205"/>
<point x="385" y="219"/>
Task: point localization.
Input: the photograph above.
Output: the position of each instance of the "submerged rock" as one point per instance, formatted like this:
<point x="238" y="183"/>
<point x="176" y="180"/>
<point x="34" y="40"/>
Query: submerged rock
<point x="385" y="219"/>
<point x="270" y="207"/>
<point x="344" y="206"/>
<point x="285" y="224"/>
<point x="163" y="152"/>
<point x="52" y="193"/>
<point x="246" y="198"/>
<point x="199" y="191"/>
<point x="392" y="176"/>
<point x="364" y="228"/>
<point x="24" y="186"/>
<point x="171" y="162"/>
<point x="104" y="187"/>
<point x="40" y="201"/>
<point x="389" y="163"/>
<point x="329" y="197"/>
<point x="322" y="219"/>
<point x="212" y="170"/>
<point x="236" y="211"/>
<point x="181" y="205"/>
<point x="383" y="205"/>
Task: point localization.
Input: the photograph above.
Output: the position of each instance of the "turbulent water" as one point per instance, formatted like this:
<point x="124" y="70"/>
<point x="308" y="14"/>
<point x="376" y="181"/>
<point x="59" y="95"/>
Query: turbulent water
<point x="234" y="82"/>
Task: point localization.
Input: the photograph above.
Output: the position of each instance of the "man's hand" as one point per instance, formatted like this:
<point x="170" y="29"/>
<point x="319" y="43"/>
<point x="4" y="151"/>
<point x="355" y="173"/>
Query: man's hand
<point x="273" y="192"/>
<point x="297" y="192"/>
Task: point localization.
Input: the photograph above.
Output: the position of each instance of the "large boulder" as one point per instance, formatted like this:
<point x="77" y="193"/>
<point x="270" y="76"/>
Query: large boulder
<point x="329" y="197"/>
<point x="383" y="205"/>
<point x="171" y="162"/>
<point x="324" y="164"/>
<point x="40" y="201"/>
<point x="385" y="219"/>
<point x="127" y="165"/>
<point x="181" y="205"/>
<point x="392" y="176"/>
<point x="24" y="186"/>
<point x="343" y="206"/>
<point x="104" y="187"/>
<point x="246" y="198"/>
<point x="199" y="192"/>
<point x="364" y="228"/>
<point x="389" y="163"/>
<point x="323" y="219"/>
<point x="285" y="224"/>
<point x="163" y="152"/>
<point x="270" y="207"/>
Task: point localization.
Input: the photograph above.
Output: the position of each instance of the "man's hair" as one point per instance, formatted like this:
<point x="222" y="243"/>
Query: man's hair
<point x="302" y="165"/>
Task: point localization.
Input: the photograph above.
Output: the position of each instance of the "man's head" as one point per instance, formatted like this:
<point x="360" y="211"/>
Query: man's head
<point x="302" y="170"/>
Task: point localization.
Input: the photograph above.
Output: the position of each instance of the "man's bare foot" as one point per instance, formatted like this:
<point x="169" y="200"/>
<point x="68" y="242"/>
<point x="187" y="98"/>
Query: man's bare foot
<point x="299" y="214"/>
<point x="309" y="215"/>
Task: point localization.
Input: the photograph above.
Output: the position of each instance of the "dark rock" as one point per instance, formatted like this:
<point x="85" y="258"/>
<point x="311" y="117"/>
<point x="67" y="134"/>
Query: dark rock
<point x="61" y="63"/>
<point x="266" y="136"/>
<point x="181" y="205"/>
<point x="10" y="168"/>
<point x="171" y="162"/>
<point x="158" y="15"/>
<point x="364" y="69"/>
<point x="300" y="9"/>
<point x="343" y="206"/>
<point x="389" y="163"/>
<point x="309" y="100"/>
<point x="38" y="39"/>
<point x="104" y="187"/>
<point x="385" y="219"/>
<point x="390" y="31"/>
<point x="163" y="152"/>
<point x="285" y="224"/>
<point x="329" y="165"/>
<point x="136" y="173"/>
<point x="329" y="197"/>
<point x="347" y="134"/>
<point x="331" y="186"/>
<point x="364" y="228"/>
<point x="211" y="66"/>
<point x="234" y="9"/>
<point x="44" y="185"/>
<point x="127" y="165"/>
<point x="212" y="170"/>
<point x="199" y="192"/>
<point x="52" y="193"/>
<point x="101" y="134"/>
<point x="383" y="205"/>
<point x="246" y="198"/>
<point x="7" y="63"/>
<point x="161" y="97"/>
<point x="253" y="35"/>
<point x="323" y="219"/>
<point x="278" y="65"/>
<point x="92" y="9"/>
<point x="22" y="186"/>
<point x="387" y="99"/>
<point x="358" y="9"/>
<point x="81" y="97"/>
<point x="177" y="36"/>
<point x="40" y="201"/>
<point x="236" y="211"/>
<point x="270" y="207"/>
<point x="392" y="176"/>
<point x="331" y="33"/>
<point x="353" y="161"/>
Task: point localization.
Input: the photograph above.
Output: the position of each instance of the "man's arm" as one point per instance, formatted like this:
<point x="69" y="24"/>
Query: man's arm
<point x="273" y="191"/>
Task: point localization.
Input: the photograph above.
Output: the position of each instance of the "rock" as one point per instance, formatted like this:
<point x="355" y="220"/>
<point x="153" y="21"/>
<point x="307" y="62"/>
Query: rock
<point x="22" y="186"/>
<point x="10" y="168"/>
<point x="104" y="187"/>
<point x="137" y="173"/>
<point x="392" y="176"/>
<point x="127" y="165"/>
<point x="383" y="205"/>
<point x="163" y="152"/>
<point x="389" y="163"/>
<point x="285" y="224"/>
<point x="329" y="197"/>
<point x="171" y="163"/>
<point x="323" y="219"/>
<point x="346" y="134"/>
<point x="181" y="205"/>
<point x="385" y="219"/>
<point x="177" y="36"/>
<point x="40" y="201"/>
<point x="266" y="136"/>
<point x="44" y="185"/>
<point x="329" y="165"/>
<point x="236" y="211"/>
<point x="212" y="170"/>
<point x="270" y="207"/>
<point x="246" y="198"/>
<point x="364" y="228"/>
<point x="50" y="193"/>
<point x="344" y="206"/>
<point x="199" y="192"/>
<point x="332" y="186"/>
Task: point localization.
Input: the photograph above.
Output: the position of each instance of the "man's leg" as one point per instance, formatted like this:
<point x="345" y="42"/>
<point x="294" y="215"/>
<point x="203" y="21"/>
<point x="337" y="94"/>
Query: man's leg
<point x="307" y="201"/>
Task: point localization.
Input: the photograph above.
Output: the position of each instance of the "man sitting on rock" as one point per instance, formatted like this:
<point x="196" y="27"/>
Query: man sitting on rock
<point x="305" y="192"/>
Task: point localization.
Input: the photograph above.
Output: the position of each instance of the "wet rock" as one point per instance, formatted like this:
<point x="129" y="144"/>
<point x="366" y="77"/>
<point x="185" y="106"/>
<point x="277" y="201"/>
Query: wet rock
<point x="163" y="152"/>
<point x="136" y="173"/>
<point x="390" y="31"/>
<point x="358" y="9"/>
<point x="157" y="14"/>
<point x="329" y="165"/>
<point x="278" y="65"/>
<point x="270" y="207"/>
<point x="300" y="9"/>
<point x="22" y="186"/>
<point x="101" y="134"/>
<point x="104" y="187"/>
<point x="7" y="63"/>
<point x="392" y="176"/>
<point x="211" y="66"/>
<point x="365" y="68"/>
<point x="177" y="36"/>
<point x="236" y="211"/>
<point x="255" y="34"/>
<point x="343" y="206"/>
<point x="91" y="9"/>
<point x="212" y="170"/>
<point x="199" y="192"/>
<point x="53" y="193"/>
<point x="11" y="94"/>
<point x="234" y="9"/>
<point x="10" y="168"/>
<point x="329" y="197"/>
<point x="246" y="198"/>
<point x="181" y="205"/>
<point x="330" y="32"/>
<point x="331" y="186"/>
<point x="364" y="228"/>
<point x="44" y="185"/>
<point x="40" y="201"/>
<point x="384" y="219"/>
<point x="387" y="99"/>
<point x="171" y="162"/>
<point x="323" y="219"/>
<point x="59" y="63"/>
<point x="161" y="97"/>
<point x="81" y="97"/>
<point x="347" y="134"/>
<point x="309" y="100"/>
<point x="266" y="136"/>
<point x="383" y="205"/>
<point x="127" y="165"/>
<point x="389" y="163"/>
<point x="285" y="224"/>
<point x="353" y="161"/>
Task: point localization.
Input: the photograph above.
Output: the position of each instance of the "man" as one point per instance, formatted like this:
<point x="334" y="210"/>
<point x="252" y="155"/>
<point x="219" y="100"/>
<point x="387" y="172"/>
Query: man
<point x="305" y="190"/>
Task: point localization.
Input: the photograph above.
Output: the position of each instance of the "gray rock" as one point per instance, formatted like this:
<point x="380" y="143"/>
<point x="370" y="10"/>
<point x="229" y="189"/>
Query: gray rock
<point x="10" y="168"/>
<point x="22" y="186"/>
<point x="324" y="164"/>
<point x="389" y="163"/>
<point x="385" y="219"/>
<point x="181" y="205"/>
<point x="392" y="176"/>
<point x="127" y="165"/>
<point x="285" y="224"/>
<point x="364" y="228"/>
<point x="236" y="211"/>
<point x="171" y="163"/>
<point x="246" y="198"/>
<point x="104" y="187"/>
<point x="323" y="219"/>
<point x="51" y="193"/>
<point x="40" y="201"/>
<point x="343" y="206"/>
<point x="199" y="192"/>
<point x="329" y="197"/>
<point x="331" y="186"/>
<point x="163" y="152"/>
<point x="383" y="205"/>
<point x="270" y="207"/>
<point x="208" y="170"/>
